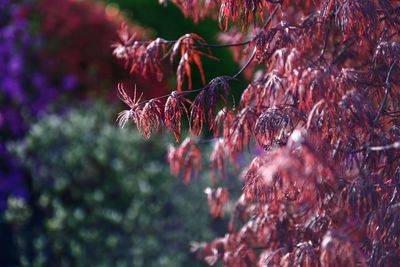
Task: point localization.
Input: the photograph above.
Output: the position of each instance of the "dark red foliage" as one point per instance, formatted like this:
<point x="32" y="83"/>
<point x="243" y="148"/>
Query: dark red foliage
<point x="242" y="129"/>
<point x="216" y="201"/>
<point x="324" y="106"/>
<point x="203" y="107"/>
<point x="143" y="57"/>
<point x="351" y="16"/>
<point x="223" y="120"/>
<point x="187" y="46"/>
<point x="184" y="159"/>
<point x="275" y="125"/>
<point x="245" y="11"/>
<point x="174" y="107"/>
<point x="197" y="9"/>
<point x="146" y="57"/>
<point x="135" y="108"/>
<point x="217" y="159"/>
<point x="198" y="111"/>
<point x="151" y="117"/>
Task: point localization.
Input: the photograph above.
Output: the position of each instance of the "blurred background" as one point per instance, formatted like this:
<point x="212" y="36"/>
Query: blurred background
<point x="75" y="190"/>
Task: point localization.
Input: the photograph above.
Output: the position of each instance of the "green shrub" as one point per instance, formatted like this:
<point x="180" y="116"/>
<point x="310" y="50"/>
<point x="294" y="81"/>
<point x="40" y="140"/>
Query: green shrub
<point x="101" y="196"/>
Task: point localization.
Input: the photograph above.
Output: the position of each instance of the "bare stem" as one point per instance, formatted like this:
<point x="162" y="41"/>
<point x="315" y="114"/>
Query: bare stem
<point x="268" y="21"/>
<point x="246" y="65"/>
<point x="387" y="89"/>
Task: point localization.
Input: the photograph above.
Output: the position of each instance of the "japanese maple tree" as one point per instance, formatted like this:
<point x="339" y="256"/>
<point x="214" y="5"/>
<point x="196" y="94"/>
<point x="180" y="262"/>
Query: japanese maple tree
<point x="323" y="105"/>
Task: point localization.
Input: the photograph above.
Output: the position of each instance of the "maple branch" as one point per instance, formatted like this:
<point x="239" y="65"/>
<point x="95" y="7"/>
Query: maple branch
<point x="228" y="78"/>
<point x="268" y="21"/>
<point x="223" y="45"/>
<point x="247" y="64"/>
<point x="395" y="145"/>
<point x="343" y="52"/>
<point x="387" y="89"/>
<point x="170" y="42"/>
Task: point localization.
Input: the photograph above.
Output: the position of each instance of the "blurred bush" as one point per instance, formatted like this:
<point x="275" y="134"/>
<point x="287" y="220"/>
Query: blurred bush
<point x="25" y="89"/>
<point x="78" y="41"/>
<point x="53" y="52"/>
<point x="102" y="196"/>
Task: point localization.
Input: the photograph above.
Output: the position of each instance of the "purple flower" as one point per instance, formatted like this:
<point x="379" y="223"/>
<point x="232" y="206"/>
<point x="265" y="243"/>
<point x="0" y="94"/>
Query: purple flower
<point x="11" y="183"/>
<point x="12" y="87"/>
<point x="39" y="81"/>
<point x="25" y="89"/>
<point x="16" y="64"/>
<point x="69" y="82"/>
<point x="4" y="3"/>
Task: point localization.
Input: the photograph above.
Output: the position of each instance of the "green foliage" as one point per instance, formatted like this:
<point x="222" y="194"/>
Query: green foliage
<point x="103" y="197"/>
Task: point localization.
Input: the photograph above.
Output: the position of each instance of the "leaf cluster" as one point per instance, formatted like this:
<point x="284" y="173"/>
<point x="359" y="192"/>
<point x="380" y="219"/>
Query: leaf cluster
<point x="323" y="106"/>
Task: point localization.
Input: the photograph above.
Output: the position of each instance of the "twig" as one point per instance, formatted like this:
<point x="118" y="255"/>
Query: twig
<point x="387" y="89"/>
<point x="246" y="65"/>
<point x="395" y="145"/>
<point x="268" y="21"/>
